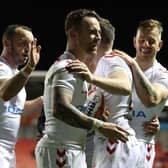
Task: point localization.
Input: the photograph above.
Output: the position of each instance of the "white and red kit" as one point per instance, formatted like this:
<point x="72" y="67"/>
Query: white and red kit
<point x="108" y="154"/>
<point x="10" y="114"/>
<point x="156" y="74"/>
<point x="62" y="146"/>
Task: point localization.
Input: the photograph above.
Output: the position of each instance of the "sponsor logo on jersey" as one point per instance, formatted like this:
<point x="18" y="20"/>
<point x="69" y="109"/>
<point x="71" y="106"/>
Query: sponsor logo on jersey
<point x="14" y="109"/>
<point x="139" y="114"/>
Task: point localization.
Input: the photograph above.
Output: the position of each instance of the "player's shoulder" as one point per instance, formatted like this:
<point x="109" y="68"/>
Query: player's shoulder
<point x="159" y="67"/>
<point x="112" y="59"/>
<point x="107" y="57"/>
<point x="3" y="65"/>
<point x="58" y="67"/>
<point x="5" y="68"/>
<point x="59" y="64"/>
<point x="62" y="62"/>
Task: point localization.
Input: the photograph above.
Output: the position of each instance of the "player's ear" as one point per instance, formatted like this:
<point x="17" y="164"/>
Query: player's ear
<point x="134" y="42"/>
<point x="72" y="33"/>
<point x="160" y="45"/>
<point x="6" y="42"/>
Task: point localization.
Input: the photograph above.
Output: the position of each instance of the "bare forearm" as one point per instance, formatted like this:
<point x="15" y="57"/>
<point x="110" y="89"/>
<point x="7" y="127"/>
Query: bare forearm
<point x="72" y="116"/>
<point x="113" y="84"/>
<point x="144" y="88"/>
<point x="77" y="119"/>
<point x="10" y="87"/>
<point x="32" y="106"/>
<point x="68" y="113"/>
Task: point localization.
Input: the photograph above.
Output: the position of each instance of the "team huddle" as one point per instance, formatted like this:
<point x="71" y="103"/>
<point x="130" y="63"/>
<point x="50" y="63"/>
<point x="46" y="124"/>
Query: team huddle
<point x="91" y="87"/>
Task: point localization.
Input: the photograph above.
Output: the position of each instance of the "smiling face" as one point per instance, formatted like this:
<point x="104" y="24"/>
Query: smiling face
<point x="84" y="38"/>
<point x="83" y="32"/>
<point x="89" y="35"/>
<point x="147" y="41"/>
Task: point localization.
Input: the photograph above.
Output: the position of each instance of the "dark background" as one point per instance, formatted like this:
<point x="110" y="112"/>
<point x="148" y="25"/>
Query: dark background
<point x="48" y="27"/>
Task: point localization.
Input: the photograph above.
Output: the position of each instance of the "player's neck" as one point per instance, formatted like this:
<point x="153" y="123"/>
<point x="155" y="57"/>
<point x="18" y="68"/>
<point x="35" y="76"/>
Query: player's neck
<point x="7" y="59"/>
<point x="144" y="63"/>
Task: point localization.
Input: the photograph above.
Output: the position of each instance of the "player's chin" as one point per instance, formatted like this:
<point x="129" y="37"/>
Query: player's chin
<point x="92" y="54"/>
<point x="93" y="51"/>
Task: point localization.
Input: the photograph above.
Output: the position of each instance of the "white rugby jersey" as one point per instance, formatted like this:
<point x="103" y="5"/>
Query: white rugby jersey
<point x="117" y="104"/>
<point x="57" y="75"/>
<point x="10" y="111"/>
<point x="156" y="74"/>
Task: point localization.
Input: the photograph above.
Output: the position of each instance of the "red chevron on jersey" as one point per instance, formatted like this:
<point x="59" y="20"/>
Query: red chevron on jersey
<point x="110" y="147"/>
<point x="149" y="148"/>
<point x="110" y="150"/>
<point x="60" y="164"/>
<point x="61" y="154"/>
<point x="148" y="157"/>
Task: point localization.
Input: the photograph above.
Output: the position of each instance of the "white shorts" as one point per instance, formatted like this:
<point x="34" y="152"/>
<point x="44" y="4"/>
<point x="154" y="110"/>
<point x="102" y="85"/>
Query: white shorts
<point x="7" y="158"/>
<point x="89" y="149"/>
<point x="112" y="155"/>
<point x="148" y="155"/>
<point x="53" y="156"/>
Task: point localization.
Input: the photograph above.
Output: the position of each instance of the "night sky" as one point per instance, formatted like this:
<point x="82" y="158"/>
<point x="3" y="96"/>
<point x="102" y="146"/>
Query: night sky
<point x="48" y="27"/>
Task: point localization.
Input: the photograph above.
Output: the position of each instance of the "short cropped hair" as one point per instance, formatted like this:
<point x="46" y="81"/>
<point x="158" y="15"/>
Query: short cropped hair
<point x="75" y="18"/>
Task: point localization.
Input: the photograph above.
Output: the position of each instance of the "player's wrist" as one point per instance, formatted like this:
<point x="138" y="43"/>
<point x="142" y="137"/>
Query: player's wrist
<point x="92" y="78"/>
<point x="24" y="73"/>
<point x="97" y="124"/>
<point x="30" y="67"/>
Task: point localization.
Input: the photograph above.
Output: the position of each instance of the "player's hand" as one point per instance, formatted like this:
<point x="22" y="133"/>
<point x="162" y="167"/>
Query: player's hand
<point x="79" y="68"/>
<point x="34" y="54"/>
<point x="152" y="127"/>
<point x="114" y="132"/>
<point x="124" y="56"/>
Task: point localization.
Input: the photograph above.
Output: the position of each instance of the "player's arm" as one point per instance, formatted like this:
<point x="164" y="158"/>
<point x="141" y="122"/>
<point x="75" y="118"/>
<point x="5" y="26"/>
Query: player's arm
<point x="9" y="87"/>
<point x="65" y="111"/>
<point x="150" y="94"/>
<point x="41" y="124"/>
<point x="117" y="82"/>
<point x="34" y="105"/>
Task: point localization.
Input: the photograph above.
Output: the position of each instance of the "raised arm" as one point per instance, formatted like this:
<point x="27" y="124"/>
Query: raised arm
<point x="9" y="87"/>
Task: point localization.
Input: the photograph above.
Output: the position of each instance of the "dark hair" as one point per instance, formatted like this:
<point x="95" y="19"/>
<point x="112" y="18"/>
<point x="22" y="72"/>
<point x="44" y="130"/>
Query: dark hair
<point x="75" y="18"/>
<point x="107" y="31"/>
<point x="10" y="30"/>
